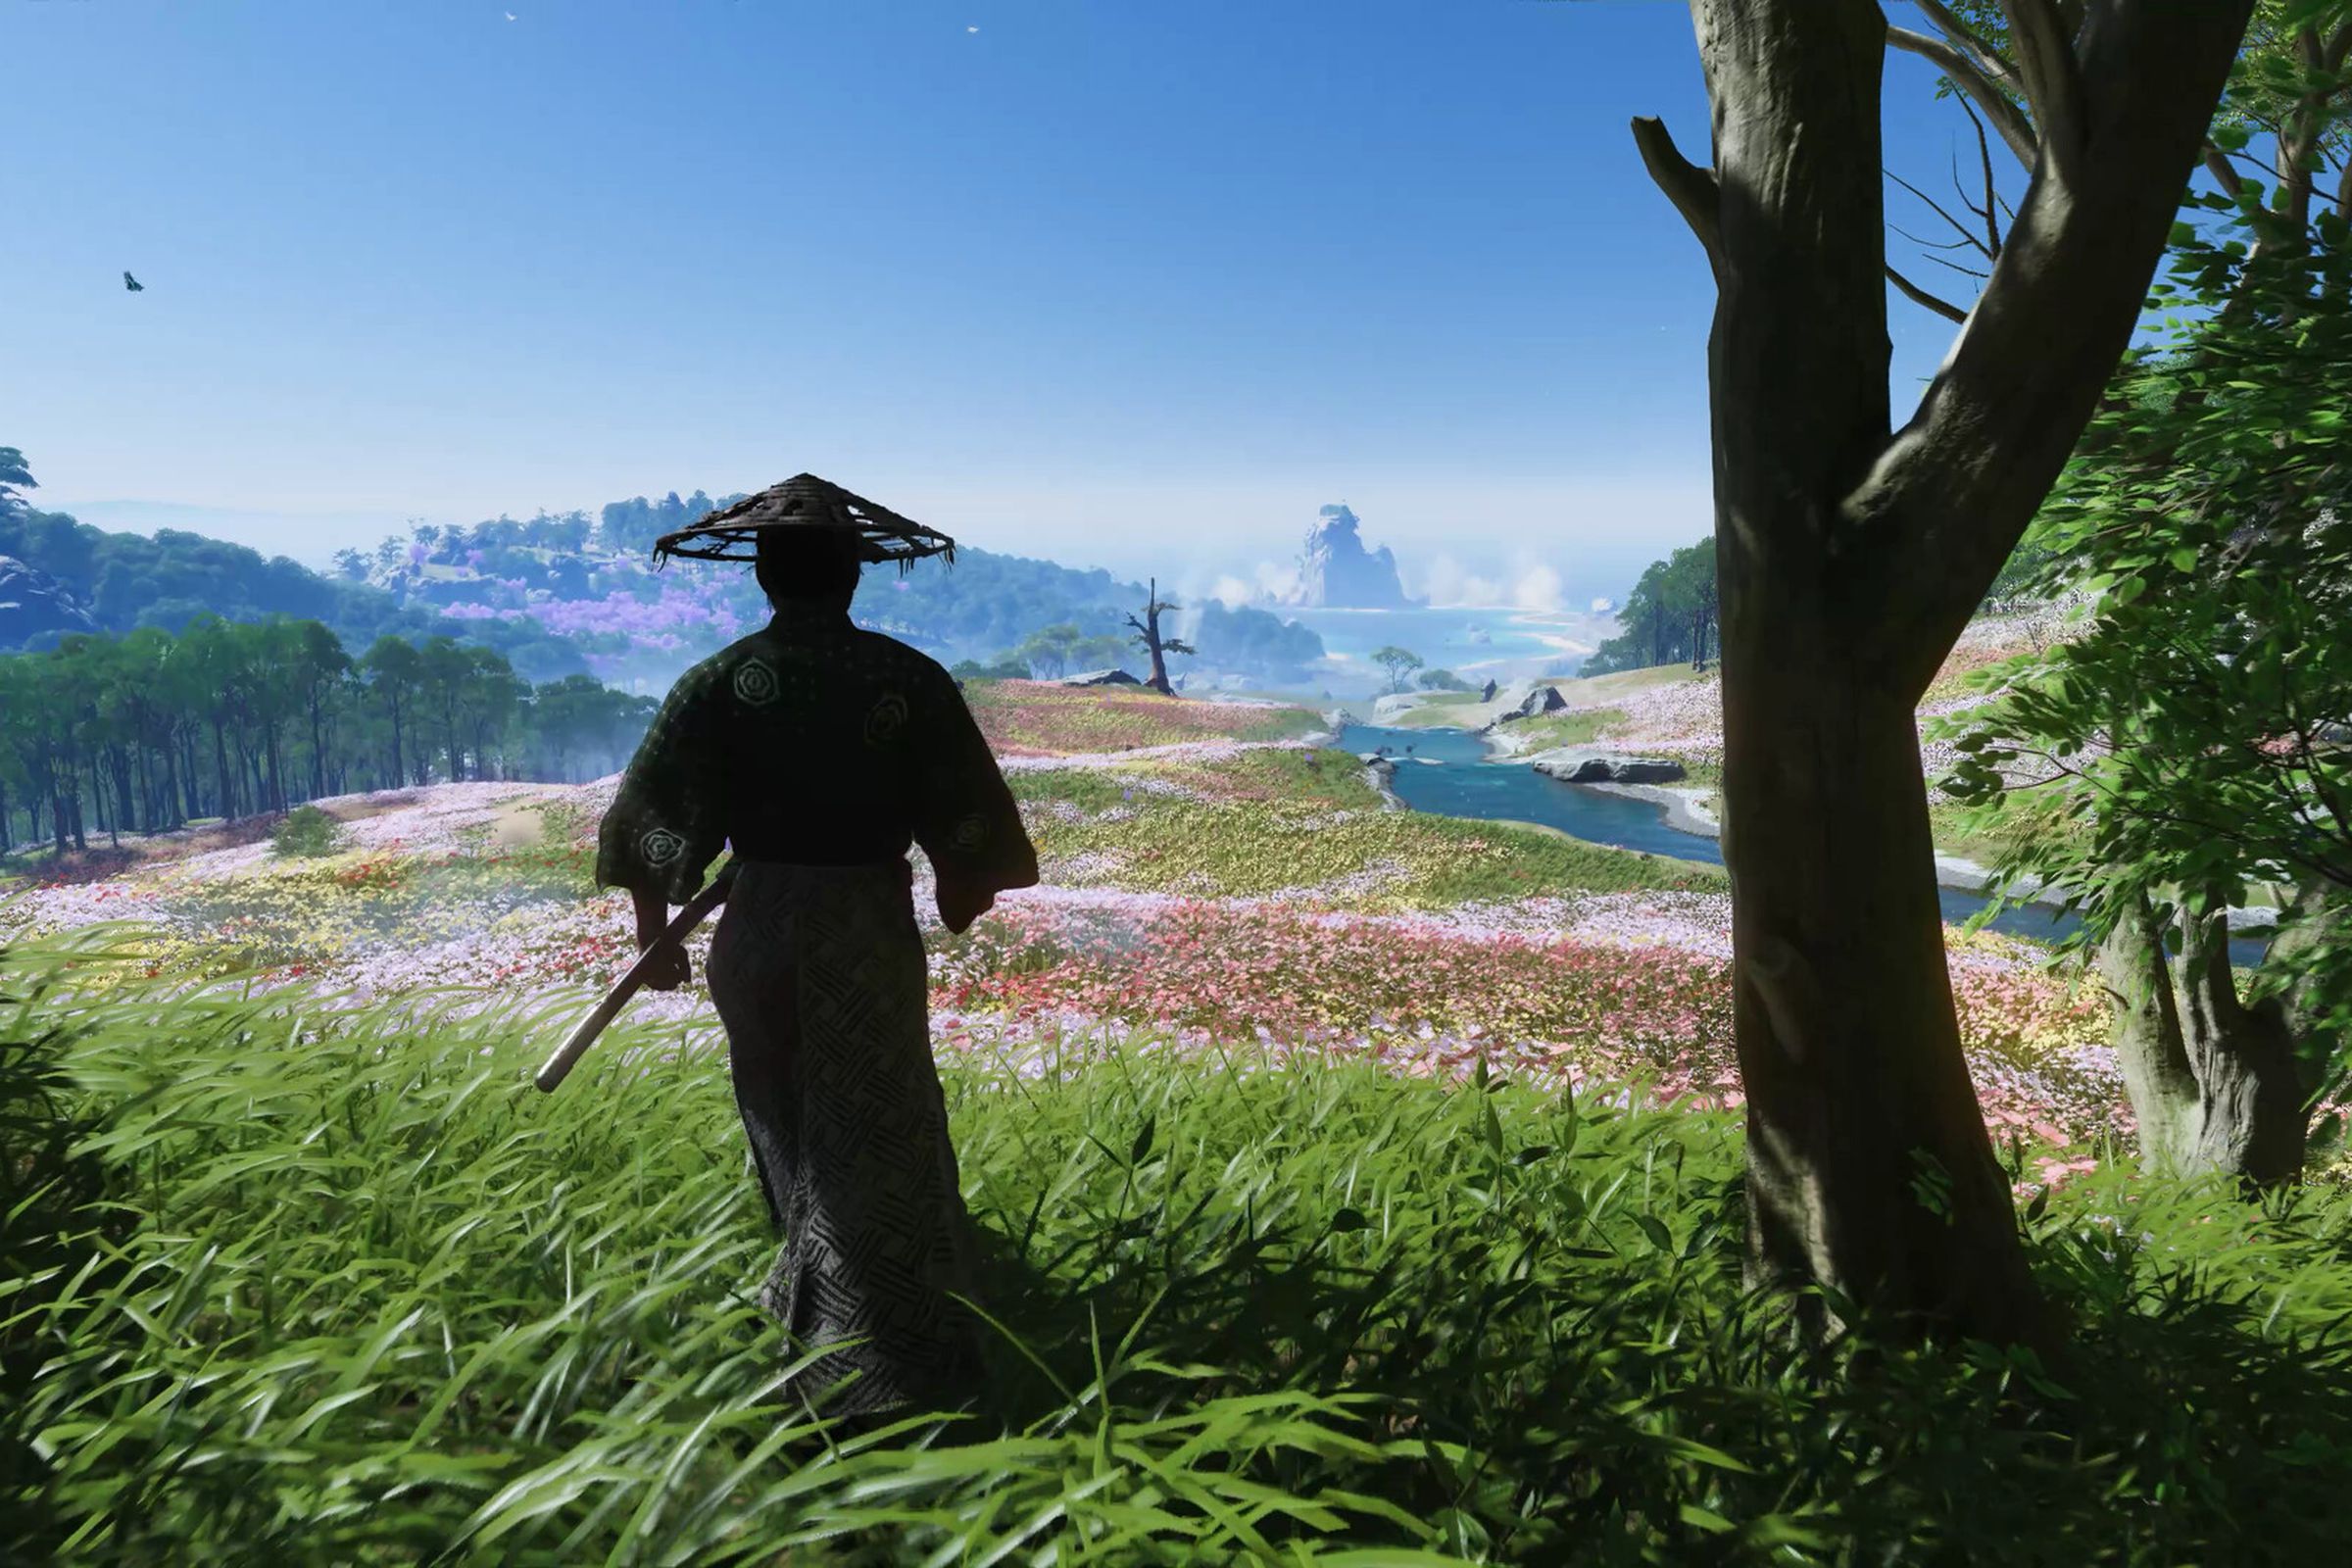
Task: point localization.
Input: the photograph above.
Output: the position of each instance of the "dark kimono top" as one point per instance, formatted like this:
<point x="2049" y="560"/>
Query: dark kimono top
<point x="814" y="743"/>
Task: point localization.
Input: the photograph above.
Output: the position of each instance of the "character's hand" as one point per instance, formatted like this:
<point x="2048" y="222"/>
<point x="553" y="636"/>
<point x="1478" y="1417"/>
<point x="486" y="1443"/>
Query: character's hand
<point x="668" y="971"/>
<point x="961" y="906"/>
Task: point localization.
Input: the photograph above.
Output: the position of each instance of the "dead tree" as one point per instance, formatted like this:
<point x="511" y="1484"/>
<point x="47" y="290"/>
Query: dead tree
<point x="1147" y="637"/>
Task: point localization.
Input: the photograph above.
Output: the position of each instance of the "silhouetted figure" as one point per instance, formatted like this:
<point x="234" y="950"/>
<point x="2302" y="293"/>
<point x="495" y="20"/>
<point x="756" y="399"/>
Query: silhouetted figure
<point x="821" y="753"/>
<point x="133" y="284"/>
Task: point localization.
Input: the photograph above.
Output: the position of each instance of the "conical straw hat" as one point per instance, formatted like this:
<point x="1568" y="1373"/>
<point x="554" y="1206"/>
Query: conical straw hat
<point x="805" y="500"/>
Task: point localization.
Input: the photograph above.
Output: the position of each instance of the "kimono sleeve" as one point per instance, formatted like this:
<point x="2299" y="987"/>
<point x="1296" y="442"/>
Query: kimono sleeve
<point x="668" y="823"/>
<point x="965" y="818"/>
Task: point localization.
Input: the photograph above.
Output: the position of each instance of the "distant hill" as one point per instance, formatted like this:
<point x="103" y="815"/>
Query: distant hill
<point x="593" y="582"/>
<point x="562" y="594"/>
<point x="125" y="580"/>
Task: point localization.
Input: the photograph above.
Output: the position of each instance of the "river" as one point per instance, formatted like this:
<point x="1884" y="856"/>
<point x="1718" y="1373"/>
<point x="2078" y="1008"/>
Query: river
<point x="1460" y="779"/>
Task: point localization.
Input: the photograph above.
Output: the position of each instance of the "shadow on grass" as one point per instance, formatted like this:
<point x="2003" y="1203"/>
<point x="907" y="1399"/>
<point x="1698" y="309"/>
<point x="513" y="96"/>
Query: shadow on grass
<point x="375" y="1300"/>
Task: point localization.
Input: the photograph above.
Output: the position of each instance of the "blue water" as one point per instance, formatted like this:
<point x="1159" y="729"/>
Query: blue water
<point x="1464" y="783"/>
<point x="1475" y="643"/>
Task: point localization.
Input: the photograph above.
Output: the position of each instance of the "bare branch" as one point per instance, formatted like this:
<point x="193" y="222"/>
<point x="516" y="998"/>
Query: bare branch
<point x="2014" y="128"/>
<point x="1919" y="296"/>
<point x="1997" y="422"/>
<point x="1965" y="272"/>
<point x="1930" y="245"/>
<point x="1963" y="229"/>
<point x="2053" y="81"/>
<point x="1693" y="189"/>
<point x="1993" y="230"/>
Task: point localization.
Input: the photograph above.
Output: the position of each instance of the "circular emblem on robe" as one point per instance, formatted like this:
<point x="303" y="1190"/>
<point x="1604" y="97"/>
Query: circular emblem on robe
<point x="970" y="833"/>
<point x="885" y="719"/>
<point x="661" y="846"/>
<point x="755" y="684"/>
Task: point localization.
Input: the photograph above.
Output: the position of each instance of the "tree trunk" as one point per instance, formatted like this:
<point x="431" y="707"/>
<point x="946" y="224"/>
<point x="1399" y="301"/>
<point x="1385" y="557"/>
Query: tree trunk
<point x="191" y="788"/>
<point x="2158" y="1077"/>
<point x="1160" y="660"/>
<point x="1849" y="558"/>
<point x="1869" y="1170"/>
<point x="2254" y="1125"/>
<point x="318" y="750"/>
<point x="228" y="802"/>
<point x="2214" y="1083"/>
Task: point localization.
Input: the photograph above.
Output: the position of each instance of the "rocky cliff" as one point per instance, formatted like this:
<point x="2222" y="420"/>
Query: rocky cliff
<point x="1337" y="571"/>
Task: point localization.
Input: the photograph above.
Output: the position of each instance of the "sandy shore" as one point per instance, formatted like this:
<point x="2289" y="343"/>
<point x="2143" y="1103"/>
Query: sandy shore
<point x="1685" y="806"/>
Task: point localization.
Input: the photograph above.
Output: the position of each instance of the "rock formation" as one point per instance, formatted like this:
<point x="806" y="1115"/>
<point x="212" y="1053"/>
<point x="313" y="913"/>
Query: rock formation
<point x="1541" y="700"/>
<point x="1101" y="677"/>
<point x="1576" y="765"/>
<point x="1337" y="571"/>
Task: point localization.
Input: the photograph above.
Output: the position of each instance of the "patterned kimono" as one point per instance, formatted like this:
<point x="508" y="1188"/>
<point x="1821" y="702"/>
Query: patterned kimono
<point x="822" y="754"/>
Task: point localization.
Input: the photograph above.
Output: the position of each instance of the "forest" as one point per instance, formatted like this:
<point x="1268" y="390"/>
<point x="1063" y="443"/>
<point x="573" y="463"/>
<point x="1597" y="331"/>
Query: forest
<point x="127" y="580"/>
<point x="150" y="732"/>
<point x="1669" y="616"/>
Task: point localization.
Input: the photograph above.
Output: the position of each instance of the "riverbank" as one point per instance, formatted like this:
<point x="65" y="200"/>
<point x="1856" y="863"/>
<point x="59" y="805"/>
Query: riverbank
<point x="1682" y="808"/>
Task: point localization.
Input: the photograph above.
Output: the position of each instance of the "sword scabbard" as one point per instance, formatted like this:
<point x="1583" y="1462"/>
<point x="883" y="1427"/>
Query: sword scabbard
<point x="559" y="1065"/>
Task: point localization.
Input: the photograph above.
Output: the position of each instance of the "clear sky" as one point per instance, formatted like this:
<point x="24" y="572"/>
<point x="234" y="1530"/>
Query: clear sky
<point x="1123" y="284"/>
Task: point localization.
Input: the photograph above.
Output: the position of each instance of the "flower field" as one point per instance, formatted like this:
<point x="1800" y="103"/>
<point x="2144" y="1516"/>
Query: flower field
<point x="1258" y="1062"/>
<point x="1039" y="718"/>
<point x="1235" y="883"/>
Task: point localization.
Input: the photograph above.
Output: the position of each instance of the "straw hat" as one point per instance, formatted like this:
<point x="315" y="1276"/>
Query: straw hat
<point x="806" y="502"/>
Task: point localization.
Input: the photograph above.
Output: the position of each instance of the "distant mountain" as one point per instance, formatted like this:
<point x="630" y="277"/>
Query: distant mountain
<point x="1337" y="573"/>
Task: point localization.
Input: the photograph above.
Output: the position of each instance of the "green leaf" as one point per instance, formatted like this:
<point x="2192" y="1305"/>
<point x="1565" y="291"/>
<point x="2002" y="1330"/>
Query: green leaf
<point x="2183" y="560"/>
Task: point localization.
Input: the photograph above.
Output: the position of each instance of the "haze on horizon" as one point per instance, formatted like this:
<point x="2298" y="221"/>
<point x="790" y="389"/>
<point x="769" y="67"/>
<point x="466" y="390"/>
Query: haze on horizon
<point x="1083" y="282"/>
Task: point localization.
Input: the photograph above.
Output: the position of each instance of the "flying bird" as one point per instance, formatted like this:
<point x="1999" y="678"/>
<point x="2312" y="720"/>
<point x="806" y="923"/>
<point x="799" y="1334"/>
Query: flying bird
<point x="133" y="284"/>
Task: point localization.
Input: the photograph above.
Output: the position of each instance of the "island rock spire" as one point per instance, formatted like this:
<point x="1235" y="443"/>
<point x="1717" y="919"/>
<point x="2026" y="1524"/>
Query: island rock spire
<point x="1336" y="571"/>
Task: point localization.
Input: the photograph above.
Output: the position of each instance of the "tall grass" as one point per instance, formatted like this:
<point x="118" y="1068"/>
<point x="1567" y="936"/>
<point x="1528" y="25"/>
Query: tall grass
<point x="361" y="1294"/>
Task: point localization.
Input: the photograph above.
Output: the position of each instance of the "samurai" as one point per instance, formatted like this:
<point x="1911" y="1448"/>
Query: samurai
<point x="820" y="754"/>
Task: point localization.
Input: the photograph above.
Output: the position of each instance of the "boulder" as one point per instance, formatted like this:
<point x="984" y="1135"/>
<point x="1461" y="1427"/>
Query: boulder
<point x="1541" y="700"/>
<point x="1582" y="765"/>
<point x="1102" y="677"/>
<point x="33" y="604"/>
<point x="1395" y="703"/>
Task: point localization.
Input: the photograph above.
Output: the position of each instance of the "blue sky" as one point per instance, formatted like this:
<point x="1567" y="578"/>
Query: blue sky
<point x="1136" y="285"/>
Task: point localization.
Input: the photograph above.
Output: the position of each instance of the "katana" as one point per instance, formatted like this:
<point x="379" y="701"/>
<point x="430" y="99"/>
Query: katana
<point x="553" y="1071"/>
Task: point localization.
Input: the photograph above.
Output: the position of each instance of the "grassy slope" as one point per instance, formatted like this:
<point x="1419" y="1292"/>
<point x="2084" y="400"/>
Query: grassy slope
<point x="370" y="1305"/>
<point x="1278" y="819"/>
